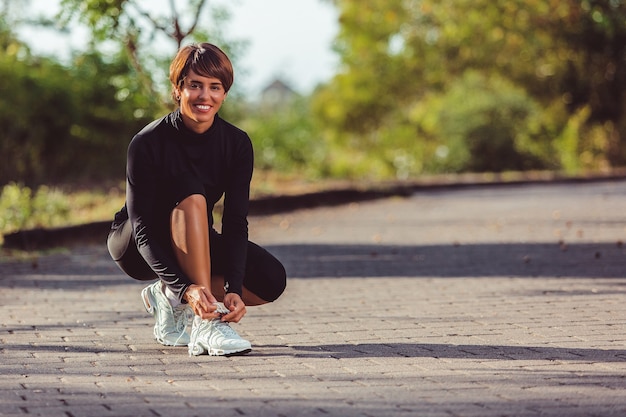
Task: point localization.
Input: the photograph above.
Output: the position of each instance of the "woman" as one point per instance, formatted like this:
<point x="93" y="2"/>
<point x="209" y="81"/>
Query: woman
<point x="178" y="167"/>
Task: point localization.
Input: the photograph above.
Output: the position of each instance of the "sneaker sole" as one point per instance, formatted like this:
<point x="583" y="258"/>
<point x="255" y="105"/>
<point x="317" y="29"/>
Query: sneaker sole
<point x="221" y="352"/>
<point x="166" y="343"/>
<point x="238" y="353"/>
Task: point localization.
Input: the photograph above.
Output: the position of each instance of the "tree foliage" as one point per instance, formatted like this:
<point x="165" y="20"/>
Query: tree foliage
<point x="71" y="122"/>
<point x="63" y="123"/>
<point x="284" y="137"/>
<point x="137" y="26"/>
<point x="566" y="56"/>
<point x="424" y="86"/>
<point x="66" y="124"/>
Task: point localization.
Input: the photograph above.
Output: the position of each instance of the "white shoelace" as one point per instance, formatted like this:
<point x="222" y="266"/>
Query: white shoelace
<point x="226" y="330"/>
<point x="183" y="315"/>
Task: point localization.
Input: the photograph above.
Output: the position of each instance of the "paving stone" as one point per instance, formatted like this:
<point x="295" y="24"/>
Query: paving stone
<point x="477" y="301"/>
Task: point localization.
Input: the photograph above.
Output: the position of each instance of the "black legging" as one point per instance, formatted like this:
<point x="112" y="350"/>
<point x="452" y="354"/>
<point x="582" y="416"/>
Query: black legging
<point x="265" y="275"/>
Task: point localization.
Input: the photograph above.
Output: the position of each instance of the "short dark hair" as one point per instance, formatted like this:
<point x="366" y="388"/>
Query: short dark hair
<point x="204" y="59"/>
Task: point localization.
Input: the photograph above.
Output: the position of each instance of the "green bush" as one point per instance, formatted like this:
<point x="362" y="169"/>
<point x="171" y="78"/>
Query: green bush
<point x="483" y="124"/>
<point x="20" y="208"/>
<point x="286" y="139"/>
<point x="583" y="145"/>
<point x="67" y="124"/>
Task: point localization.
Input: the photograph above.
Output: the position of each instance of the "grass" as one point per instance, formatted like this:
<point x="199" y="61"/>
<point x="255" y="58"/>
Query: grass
<point x="89" y="206"/>
<point x="48" y="207"/>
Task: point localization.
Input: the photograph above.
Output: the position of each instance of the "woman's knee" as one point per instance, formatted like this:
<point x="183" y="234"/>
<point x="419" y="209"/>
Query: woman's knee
<point x="193" y="202"/>
<point x="189" y="212"/>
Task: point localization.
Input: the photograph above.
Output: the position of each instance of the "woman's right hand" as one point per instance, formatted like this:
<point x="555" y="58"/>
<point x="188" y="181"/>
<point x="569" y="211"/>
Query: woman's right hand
<point x="202" y="302"/>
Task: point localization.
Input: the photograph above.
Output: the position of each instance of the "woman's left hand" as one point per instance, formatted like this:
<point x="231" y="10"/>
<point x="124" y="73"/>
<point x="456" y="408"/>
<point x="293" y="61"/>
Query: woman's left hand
<point x="237" y="308"/>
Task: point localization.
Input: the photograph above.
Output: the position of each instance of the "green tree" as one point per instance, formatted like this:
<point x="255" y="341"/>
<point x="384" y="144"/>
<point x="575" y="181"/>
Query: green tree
<point x="396" y="54"/>
<point x="71" y="122"/>
<point x="136" y="26"/>
<point x="66" y="124"/>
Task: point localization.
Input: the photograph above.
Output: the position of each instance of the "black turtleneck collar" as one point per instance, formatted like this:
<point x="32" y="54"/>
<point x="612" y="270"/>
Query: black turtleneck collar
<point x="176" y="120"/>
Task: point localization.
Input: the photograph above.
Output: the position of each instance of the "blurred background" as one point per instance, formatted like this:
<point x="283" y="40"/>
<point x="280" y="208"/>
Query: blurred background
<point x="366" y="91"/>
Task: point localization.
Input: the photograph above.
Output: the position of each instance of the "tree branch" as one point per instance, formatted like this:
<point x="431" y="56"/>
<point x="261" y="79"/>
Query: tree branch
<point x="153" y="21"/>
<point x="196" y="18"/>
<point x="177" y="35"/>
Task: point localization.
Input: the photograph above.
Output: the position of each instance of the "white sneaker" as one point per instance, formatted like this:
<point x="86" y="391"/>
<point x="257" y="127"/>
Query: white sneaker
<point x="170" y="327"/>
<point x="216" y="338"/>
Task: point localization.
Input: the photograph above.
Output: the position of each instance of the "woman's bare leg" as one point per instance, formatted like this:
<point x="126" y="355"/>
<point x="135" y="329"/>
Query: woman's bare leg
<point x="190" y="240"/>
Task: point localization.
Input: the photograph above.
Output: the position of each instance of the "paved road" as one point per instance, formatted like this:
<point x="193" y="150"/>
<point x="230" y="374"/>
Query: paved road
<point x="490" y="301"/>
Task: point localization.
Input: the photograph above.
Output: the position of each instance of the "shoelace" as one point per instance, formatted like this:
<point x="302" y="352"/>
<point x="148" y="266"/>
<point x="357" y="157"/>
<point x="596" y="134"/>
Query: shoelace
<point x="221" y="326"/>
<point x="226" y="330"/>
<point x="183" y="315"/>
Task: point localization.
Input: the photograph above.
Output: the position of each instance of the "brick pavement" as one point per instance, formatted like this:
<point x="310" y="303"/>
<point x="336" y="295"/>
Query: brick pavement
<point x="487" y="301"/>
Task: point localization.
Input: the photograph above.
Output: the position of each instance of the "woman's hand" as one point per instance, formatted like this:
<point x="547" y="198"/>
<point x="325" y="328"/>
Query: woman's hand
<point x="237" y="308"/>
<point x="202" y="302"/>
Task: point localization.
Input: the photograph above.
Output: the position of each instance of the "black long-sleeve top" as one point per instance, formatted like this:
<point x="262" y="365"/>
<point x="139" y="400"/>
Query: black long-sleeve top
<point x="166" y="161"/>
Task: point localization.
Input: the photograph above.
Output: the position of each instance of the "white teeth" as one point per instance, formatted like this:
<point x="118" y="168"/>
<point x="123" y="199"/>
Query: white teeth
<point x="203" y="107"/>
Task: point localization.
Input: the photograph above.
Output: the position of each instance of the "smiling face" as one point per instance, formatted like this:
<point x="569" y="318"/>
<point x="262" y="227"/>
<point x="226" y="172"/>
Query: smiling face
<point x="200" y="99"/>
